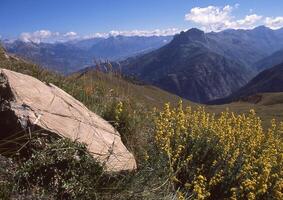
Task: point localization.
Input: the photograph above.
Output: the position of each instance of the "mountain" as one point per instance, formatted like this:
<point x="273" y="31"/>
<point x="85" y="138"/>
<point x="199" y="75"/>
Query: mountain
<point x="270" y="80"/>
<point x="58" y="57"/>
<point x="272" y="60"/>
<point x="267" y="81"/>
<point x="195" y="65"/>
<point x="247" y="46"/>
<point x="121" y="47"/>
<point x="85" y="44"/>
<point x="71" y="56"/>
<point x="190" y="68"/>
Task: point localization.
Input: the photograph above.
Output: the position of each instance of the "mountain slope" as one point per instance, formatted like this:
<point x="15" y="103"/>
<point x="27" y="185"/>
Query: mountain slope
<point x="268" y="81"/>
<point x="59" y="57"/>
<point x="247" y="46"/>
<point x="189" y="68"/>
<point x="141" y="93"/>
<point x="272" y="60"/>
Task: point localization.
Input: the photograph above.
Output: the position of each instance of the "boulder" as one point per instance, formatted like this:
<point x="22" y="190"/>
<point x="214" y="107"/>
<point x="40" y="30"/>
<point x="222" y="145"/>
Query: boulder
<point x="29" y="104"/>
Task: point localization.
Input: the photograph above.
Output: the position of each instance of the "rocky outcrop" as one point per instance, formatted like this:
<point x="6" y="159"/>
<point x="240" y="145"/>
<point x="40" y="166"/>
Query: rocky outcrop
<point x="27" y="103"/>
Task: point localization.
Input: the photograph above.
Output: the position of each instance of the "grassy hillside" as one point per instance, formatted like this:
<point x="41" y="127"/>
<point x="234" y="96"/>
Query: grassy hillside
<point x="147" y="95"/>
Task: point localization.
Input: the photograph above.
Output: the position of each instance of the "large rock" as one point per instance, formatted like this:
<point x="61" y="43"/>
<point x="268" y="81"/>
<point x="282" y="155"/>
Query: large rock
<point x="27" y="103"/>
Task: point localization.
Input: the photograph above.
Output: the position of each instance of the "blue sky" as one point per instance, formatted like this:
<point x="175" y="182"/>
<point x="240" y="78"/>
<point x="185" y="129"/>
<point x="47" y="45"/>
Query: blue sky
<point x="85" y="17"/>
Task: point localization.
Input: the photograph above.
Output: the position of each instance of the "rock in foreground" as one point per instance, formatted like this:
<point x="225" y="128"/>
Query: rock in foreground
<point x="27" y="103"/>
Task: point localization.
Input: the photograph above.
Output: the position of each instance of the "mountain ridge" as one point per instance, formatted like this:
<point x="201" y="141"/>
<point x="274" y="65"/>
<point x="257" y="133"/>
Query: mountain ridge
<point x="188" y="67"/>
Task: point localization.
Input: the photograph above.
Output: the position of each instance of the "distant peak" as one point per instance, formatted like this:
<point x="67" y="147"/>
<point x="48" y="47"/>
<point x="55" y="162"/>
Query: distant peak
<point x="261" y="28"/>
<point x="194" y="31"/>
<point x="191" y="35"/>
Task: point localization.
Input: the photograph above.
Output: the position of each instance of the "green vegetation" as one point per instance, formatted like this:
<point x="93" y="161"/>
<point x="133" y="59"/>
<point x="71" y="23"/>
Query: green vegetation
<point x="181" y="153"/>
<point x="61" y="168"/>
<point x="6" y="177"/>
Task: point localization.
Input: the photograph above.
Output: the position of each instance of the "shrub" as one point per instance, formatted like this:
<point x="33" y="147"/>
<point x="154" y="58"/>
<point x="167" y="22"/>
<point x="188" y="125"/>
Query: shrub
<point x="6" y="178"/>
<point x="132" y="122"/>
<point x="60" y="167"/>
<point x="225" y="157"/>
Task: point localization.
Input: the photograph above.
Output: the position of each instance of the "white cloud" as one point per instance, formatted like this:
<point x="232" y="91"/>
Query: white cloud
<point x="213" y="18"/>
<point x="274" y="22"/>
<point x="71" y="34"/>
<point x="47" y="36"/>
<point x="146" y="33"/>
<point x="209" y="15"/>
<point x="38" y="36"/>
<point x="68" y="36"/>
<point x="249" y="21"/>
<point x="51" y="37"/>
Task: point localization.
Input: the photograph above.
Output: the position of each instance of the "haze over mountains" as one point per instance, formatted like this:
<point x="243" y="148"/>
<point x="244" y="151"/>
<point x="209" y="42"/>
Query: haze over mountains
<point x="195" y="65"/>
<point x="71" y="56"/>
